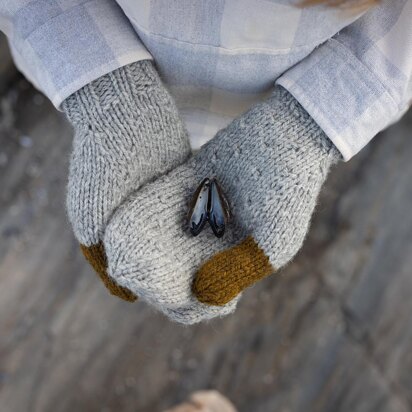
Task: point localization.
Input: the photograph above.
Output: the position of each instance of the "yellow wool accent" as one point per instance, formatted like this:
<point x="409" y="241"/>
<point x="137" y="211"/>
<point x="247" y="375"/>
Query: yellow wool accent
<point x="227" y="273"/>
<point x="96" y="256"/>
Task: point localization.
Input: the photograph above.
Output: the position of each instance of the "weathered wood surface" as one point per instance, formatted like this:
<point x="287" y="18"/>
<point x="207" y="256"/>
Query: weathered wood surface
<point x="331" y="332"/>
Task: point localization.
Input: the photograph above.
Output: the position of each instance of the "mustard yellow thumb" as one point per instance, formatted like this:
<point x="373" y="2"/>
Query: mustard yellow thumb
<point x="96" y="256"/>
<point x="228" y="273"/>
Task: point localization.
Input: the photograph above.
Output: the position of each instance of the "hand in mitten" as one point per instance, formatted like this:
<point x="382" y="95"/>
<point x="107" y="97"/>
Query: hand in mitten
<point x="127" y="132"/>
<point x="271" y="163"/>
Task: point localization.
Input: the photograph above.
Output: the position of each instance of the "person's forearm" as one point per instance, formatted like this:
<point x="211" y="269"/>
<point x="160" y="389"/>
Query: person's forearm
<point x="61" y="48"/>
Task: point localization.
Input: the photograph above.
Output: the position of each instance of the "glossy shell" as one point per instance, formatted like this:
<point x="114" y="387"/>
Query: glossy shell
<point x="208" y="204"/>
<point x="218" y="209"/>
<point x="198" y="211"/>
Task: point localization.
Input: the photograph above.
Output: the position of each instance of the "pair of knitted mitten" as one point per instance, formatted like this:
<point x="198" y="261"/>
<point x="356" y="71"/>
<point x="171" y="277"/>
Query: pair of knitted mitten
<point x="271" y="163"/>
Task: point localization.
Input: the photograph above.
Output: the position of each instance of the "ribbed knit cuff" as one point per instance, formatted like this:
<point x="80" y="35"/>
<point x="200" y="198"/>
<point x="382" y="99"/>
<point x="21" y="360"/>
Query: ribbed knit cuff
<point x="299" y="118"/>
<point x="120" y="87"/>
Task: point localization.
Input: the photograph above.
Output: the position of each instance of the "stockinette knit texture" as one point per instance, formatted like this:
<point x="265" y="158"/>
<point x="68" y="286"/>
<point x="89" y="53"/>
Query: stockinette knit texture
<point x="127" y="132"/>
<point x="270" y="162"/>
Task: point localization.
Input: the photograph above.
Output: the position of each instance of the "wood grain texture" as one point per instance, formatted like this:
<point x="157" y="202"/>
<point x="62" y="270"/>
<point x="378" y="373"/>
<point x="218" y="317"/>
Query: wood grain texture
<point x="331" y="332"/>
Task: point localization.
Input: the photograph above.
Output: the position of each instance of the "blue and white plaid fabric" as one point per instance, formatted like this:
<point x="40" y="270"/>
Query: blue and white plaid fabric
<point x="352" y="72"/>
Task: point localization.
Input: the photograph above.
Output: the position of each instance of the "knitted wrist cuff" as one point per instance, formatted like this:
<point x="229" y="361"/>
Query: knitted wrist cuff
<point x="120" y="87"/>
<point x="282" y="100"/>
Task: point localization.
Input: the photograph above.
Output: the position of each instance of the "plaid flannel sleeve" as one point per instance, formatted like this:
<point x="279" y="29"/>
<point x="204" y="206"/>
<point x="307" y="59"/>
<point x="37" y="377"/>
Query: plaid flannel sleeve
<point x="62" y="45"/>
<point x="357" y="83"/>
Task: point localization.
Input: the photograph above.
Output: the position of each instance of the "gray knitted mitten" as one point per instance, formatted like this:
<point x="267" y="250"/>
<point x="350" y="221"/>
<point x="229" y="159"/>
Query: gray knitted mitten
<point x="271" y="163"/>
<point x="127" y="132"/>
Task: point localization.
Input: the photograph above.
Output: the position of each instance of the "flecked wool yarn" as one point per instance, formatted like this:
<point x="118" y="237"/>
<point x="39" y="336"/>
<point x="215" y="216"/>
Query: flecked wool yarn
<point x="127" y="132"/>
<point x="271" y="163"/>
